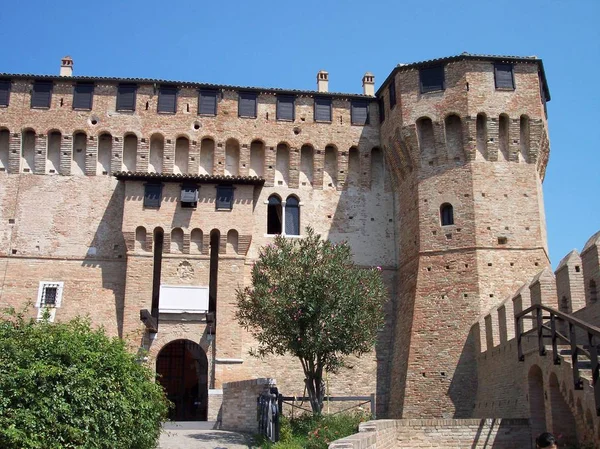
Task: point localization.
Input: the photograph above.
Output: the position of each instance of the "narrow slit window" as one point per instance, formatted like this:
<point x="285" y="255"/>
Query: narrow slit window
<point x="392" y="93"/>
<point x="447" y="214"/>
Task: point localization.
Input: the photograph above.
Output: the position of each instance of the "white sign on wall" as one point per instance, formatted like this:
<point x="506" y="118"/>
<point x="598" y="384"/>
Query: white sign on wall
<point x="183" y="299"/>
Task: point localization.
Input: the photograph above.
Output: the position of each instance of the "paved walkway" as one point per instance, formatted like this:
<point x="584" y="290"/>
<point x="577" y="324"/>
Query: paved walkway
<point x="201" y="436"/>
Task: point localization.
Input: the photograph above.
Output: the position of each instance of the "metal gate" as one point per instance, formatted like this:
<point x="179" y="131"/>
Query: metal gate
<point x="268" y="408"/>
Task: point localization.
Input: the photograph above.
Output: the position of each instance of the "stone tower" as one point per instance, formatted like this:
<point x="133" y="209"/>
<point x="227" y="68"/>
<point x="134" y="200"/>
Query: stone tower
<point x="466" y="139"/>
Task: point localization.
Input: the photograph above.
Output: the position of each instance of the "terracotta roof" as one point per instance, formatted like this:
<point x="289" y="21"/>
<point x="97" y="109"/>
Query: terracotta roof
<point x="192" y="84"/>
<point x="200" y="179"/>
<point x="474" y="57"/>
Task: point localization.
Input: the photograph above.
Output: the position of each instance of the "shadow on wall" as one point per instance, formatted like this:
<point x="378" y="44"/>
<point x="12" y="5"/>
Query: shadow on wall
<point x="107" y="252"/>
<point x="465" y="380"/>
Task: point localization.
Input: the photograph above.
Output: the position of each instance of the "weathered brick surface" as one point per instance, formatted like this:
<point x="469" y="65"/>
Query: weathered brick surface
<point x="239" y="404"/>
<point x="439" y="433"/>
<point x="536" y="387"/>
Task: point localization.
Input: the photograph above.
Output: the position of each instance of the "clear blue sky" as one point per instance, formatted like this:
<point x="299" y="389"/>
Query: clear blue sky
<point x="283" y="44"/>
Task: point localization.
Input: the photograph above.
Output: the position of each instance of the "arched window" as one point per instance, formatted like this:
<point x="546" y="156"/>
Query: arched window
<point x="53" y="155"/>
<point x="140" y="238"/>
<point x="177" y="240"/>
<point x="157" y="149"/>
<point x="196" y="241"/>
<point x="79" y="151"/>
<point x="104" y="154"/>
<point x="182" y="155"/>
<point x="28" y="151"/>
<point x="292" y="216"/>
<point x="274" y="215"/>
<point x="232" y="242"/>
<point x="447" y="214"/>
<point x="207" y="152"/>
<point x="283" y="217"/>
<point x="130" y="143"/>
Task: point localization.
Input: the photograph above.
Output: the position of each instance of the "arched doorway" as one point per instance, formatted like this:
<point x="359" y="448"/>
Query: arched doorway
<point x="182" y="369"/>
<point x="537" y="406"/>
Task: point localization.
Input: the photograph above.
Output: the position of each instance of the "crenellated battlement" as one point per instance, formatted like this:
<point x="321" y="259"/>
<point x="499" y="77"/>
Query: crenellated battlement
<point x="572" y="289"/>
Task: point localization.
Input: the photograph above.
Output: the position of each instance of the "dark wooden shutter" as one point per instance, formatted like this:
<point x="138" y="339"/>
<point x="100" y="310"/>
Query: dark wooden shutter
<point x="152" y="193"/>
<point x="4" y="92"/>
<point x="359" y="112"/>
<point x="207" y="102"/>
<point x="322" y="109"/>
<point x="126" y="97"/>
<point x="432" y="79"/>
<point x="247" y="104"/>
<point x="285" y="107"/>
<point x="224" y="197"/>
<point x="82" y="96"/>
<point x="41" y="94"/>
<point x="392" y="92"/>
<point x="381" y="110"/>
<point x="167" y="99"/>
<point x="504" y="76"/>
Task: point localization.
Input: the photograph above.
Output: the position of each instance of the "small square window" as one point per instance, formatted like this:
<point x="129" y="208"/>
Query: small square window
<point x="126" y="94"/>
<point x="49" y="299"/>
<point x="359" y="112"/>
<point x="503" y="76"/>
<point x="4" y="92"/>
<point x="285" y="107"/>
<point x="41" y="94"/>
<point x="83" y="94"/>
<point x="322" y="109"/>
<point x="189" y="196"/>
<point x="207" y="102"/>
<point x="167" y="100"/>
<point x="152" y="195"/>
<point x="432" y="79"/>
<point x="224" y="198"/>
<point x="247" y="104"/>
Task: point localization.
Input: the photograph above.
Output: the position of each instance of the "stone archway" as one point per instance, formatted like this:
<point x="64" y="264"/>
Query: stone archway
<point x="182" y="369"/>
<point x="537" y="406"/>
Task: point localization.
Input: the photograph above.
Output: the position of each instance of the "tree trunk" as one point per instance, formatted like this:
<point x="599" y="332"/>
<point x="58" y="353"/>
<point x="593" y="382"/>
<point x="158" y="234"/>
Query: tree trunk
<point x="314" y="385"/>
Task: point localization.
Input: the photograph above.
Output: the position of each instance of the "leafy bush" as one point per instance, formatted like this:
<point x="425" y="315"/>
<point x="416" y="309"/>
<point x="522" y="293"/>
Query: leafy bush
<point x="334" y="427"/>
<point x="65" y="385"/>
<point x="315" y="431"/>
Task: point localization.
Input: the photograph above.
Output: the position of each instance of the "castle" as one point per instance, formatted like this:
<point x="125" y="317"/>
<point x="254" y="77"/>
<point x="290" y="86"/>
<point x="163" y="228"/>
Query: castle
<point x="143" y="203"/>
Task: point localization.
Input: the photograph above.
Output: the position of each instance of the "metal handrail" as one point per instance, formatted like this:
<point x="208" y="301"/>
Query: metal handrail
<point x="592" y="341"/>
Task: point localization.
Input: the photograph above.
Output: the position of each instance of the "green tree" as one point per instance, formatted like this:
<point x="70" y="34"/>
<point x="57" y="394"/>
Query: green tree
<point x="309" y="299"/>
<point x="66" y="385"/>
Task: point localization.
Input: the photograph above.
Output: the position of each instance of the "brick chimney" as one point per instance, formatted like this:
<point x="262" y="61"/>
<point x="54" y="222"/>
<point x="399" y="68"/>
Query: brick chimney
<point x="66" y="66"/>
<point x="369" y="84"/>
<point x="323" y="81"/>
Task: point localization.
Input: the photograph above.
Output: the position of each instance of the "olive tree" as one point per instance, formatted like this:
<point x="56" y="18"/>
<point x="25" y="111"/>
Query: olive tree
<point x="65" y="385"/>
<point x="309" y="299"/>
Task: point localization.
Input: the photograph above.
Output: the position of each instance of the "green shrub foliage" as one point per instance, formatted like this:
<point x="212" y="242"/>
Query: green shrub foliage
<point x="309" y="299"/>
<point x="66" y="385"/>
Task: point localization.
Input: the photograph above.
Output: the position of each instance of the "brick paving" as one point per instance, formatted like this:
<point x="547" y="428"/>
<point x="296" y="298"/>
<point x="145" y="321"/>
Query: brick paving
<point x="183" y="436"/>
